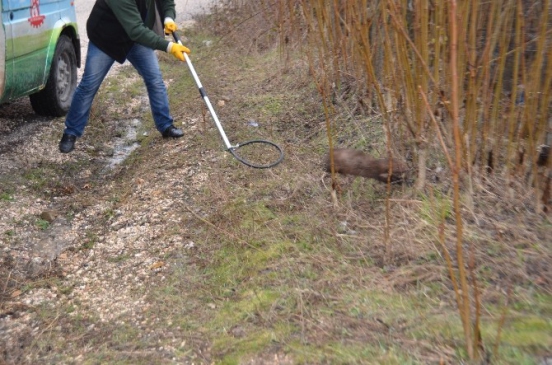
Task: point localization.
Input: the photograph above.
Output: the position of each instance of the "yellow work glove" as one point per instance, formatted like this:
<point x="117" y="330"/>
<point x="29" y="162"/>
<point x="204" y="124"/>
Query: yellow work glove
<point x="177" y="50"/>
<point x="170" y="26"/>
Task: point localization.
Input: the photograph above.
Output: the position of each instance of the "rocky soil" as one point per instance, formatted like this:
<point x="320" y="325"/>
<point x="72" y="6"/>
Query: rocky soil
<point x="71" y="238"/>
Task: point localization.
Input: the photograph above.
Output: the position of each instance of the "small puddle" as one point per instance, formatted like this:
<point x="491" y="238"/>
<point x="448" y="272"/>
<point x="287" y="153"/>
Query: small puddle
<point x="126" y="144"/>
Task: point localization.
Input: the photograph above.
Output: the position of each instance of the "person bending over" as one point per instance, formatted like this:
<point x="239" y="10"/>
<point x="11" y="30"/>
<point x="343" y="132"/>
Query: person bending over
<point x="120" y="30"/>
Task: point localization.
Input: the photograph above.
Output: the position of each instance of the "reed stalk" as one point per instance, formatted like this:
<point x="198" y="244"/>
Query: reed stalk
<point x="465" y="310"/>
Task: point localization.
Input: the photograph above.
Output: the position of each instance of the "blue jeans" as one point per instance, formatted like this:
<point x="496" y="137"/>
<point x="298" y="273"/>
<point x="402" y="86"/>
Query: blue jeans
<point x="97" y="66"/>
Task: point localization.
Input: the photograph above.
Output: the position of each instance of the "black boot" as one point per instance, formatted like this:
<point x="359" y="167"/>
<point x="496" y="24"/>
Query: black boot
<point x="67" y="143"/>
<point x="172" y="132"/>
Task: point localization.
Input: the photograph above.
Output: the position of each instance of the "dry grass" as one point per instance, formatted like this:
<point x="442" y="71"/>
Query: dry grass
<point x="289" y="274"/>
<point x="278" y="273"/>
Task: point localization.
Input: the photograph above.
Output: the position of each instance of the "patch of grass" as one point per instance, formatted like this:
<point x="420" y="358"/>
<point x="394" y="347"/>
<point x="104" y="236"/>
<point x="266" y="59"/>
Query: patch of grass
<point x="531" y="332"/>
<point x="7" y="197"/>
<point x="38" y="177"/>
<point x="236" y="265"/>
<point x="347" y="353"/>
<point x="90" y="241"/>
<point x="108" y="214"/>
<point x="239" y="334"/>
<point x="436" y="207"/>
<point x="362" y="189"/>
<point x="233" y="350"/>
<point x="42" y="224"/>
<point x="250" y="305"/>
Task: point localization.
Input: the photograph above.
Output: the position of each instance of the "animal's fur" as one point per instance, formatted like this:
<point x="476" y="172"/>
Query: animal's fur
<point x="352" y="162"/>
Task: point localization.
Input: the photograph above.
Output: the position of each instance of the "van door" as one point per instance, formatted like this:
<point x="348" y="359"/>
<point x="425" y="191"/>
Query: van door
<point x="28" y="30"/>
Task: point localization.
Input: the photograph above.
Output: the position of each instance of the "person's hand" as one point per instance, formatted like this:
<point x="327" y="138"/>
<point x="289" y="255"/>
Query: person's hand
<point x="170" y="26"/>
<point x="177" y="50"/>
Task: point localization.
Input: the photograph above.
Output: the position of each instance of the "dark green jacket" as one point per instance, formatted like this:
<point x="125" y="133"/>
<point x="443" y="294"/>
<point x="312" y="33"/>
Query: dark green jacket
<point x="115" y="25"/>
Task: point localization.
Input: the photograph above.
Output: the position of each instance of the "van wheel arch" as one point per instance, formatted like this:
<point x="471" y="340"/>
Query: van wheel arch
<point x="55" y="99"/>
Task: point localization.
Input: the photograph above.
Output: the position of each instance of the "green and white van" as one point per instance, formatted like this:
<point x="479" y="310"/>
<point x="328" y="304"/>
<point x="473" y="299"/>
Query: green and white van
<point x="39" y="53"/>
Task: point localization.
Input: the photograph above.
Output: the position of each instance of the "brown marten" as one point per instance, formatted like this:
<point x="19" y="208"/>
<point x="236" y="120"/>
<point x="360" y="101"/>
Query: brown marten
<point x="352" y="162"/>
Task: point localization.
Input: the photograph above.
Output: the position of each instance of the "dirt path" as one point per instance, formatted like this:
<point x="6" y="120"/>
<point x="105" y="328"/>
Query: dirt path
<point x="65" y="217"/>
<point x="77" y="247"/>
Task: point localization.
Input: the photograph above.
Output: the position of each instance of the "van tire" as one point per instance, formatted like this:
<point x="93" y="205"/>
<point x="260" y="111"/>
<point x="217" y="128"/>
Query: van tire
<point x="55" y="99"/>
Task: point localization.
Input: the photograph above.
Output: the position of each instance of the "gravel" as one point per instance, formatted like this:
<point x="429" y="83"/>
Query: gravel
<point x="101" y="245"/>
<point x="83" y="248"/>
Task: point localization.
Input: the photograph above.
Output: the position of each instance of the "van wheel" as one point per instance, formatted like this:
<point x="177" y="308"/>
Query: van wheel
<point x="54" y="100"/>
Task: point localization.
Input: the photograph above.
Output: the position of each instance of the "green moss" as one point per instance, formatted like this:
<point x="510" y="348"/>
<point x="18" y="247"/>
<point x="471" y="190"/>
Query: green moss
<point x="243" y="314"/>
<point x="232" y="349"/>
<point x="528" y="331"/>
<point x="234" y="266"/>
<point x="252" y="216"/>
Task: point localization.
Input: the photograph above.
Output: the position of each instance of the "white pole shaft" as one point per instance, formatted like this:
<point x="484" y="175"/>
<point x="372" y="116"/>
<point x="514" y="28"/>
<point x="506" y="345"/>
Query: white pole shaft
<point x="206" y="99"/>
